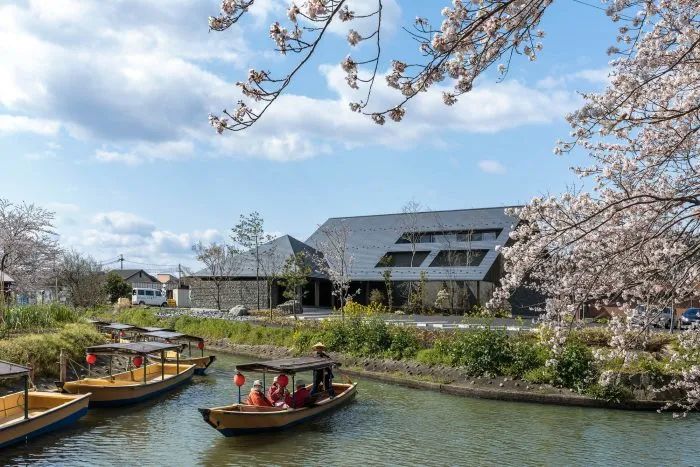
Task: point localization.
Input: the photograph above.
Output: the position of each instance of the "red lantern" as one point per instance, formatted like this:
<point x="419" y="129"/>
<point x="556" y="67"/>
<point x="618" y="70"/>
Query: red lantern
<point x="138" y="361"/>
<point x="200" y="345"/>
<point x="91" y="358"/>
<point x="239" y="379"/>
<point x="283" y="380"/>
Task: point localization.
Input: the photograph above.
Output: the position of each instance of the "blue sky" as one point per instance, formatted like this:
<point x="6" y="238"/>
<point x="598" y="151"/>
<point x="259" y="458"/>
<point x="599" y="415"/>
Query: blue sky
<point x="103" y="119"/>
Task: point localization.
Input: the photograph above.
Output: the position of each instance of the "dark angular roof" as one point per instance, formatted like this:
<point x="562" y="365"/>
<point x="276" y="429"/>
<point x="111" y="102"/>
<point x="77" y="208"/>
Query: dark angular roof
<point x="132" y="347"/>
<point x="371" y="237"/>
<point x="127" y="274"/>
<point x="288" y="365"/>
<point x="11" y="370"/>
<point x="272" y="256"/>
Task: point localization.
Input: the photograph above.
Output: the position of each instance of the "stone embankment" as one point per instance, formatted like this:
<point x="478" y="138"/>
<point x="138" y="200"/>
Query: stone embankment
<point x="449" y="380"/>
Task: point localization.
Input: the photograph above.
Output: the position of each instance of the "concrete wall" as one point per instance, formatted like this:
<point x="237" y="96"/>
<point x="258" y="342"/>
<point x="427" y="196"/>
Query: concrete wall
<point x="237" y="292"/>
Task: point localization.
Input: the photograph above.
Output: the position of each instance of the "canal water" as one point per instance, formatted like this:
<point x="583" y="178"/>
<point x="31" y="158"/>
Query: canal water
<point x="386" y="424"/>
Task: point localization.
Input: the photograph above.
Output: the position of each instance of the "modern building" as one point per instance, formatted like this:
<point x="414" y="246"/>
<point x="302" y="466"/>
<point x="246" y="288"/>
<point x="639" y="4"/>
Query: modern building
<point x="456" y="251"/>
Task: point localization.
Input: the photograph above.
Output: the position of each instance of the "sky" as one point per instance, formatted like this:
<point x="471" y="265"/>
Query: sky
<point x="103" y="120"/>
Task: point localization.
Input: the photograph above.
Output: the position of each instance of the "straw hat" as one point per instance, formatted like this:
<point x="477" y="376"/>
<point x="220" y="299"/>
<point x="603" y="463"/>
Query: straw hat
<point x="319" y="346"/>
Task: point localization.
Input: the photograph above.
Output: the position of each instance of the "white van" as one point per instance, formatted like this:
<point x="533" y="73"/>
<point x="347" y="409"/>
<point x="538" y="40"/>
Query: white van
<point x="148" y="297"/>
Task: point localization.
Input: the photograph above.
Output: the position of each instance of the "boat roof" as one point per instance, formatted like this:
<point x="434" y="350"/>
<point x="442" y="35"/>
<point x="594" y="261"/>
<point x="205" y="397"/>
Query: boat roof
<point x="288" y="365"/>
<point x="123" y="327"/>
<point x="152" y="329"/>
<point x="97" y="322"/>
<point x="132" y="347"/>
<point x="11" y="370"/>
<point x="167" y="334"/>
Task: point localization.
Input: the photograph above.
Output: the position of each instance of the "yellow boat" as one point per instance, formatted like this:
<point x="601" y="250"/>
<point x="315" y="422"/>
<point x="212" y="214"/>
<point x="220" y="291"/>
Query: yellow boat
<point x="240" y="419"/>
<point x="44" y="412"/>
<point x="165" y="335"/>
<point x="131" y="386"/>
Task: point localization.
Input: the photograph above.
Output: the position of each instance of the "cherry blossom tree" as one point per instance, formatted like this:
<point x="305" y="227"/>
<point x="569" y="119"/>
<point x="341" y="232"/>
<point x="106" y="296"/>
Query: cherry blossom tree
<point x="28" y="244"/>
<point x="472" y="36"/>
<point x="335" y="260"/>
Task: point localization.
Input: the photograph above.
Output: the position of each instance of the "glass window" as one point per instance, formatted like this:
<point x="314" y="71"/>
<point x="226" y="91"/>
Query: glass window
<point x="458" y="258"/>
<point x="158" y="293"/>
<point x="402" y="259"/>
<point x="149" y="293"/>
<point x="141" y="292"/>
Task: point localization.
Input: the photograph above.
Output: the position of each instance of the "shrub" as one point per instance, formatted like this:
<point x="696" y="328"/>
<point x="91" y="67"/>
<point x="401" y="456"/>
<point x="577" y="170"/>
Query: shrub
<point x="541" y="375"/>
<point x="404" y="343"/>
<point x="596" y="337"/>
<point x="574" y="367"/>
<point x="609" y="392"/>
<point x="353" y="309"/>
<point x="376" y="297"/>
<point x="526" y="355"/>
<point x="479" y="352"/>
<point x="33" y="318"/>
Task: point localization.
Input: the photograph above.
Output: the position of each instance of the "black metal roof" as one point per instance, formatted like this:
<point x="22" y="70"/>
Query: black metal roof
<point x="124" y="327"/>
<point x="154" y="329"/>
<point x="165" y="334"/>
<point x="132" y="347"/>
<point x="11" y="370"/>
<point x="289" y="365"/>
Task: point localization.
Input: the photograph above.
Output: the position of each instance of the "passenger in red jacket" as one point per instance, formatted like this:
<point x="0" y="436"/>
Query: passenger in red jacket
<point x="301" y="395"/>
<point x="257" y="397"/>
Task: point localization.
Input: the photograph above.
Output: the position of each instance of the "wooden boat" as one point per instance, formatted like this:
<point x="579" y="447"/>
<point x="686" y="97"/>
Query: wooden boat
<point x="201" y="363"/>
<point x="28" y="414"/>
<point x="241" y="419"/>
<point x="120" y="332"/>
<point x="135" y="385"/>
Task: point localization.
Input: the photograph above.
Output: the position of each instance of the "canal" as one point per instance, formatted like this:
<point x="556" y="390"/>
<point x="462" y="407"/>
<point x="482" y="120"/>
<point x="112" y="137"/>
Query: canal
<point x="386" y="425"/>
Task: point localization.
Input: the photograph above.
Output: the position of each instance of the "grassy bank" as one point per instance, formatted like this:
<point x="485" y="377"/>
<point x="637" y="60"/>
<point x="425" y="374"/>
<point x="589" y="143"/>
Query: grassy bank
<point x="36" y="318"/>
<point x="42" y="351"/>
<point x="485" y="352"/>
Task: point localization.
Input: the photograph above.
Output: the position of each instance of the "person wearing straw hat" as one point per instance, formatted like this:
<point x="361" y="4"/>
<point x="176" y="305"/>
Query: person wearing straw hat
<point x="323" y="376"/>
<point x="257" y="397"/>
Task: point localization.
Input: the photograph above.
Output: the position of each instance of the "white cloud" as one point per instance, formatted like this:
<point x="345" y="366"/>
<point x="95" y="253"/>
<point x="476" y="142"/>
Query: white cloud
<point x="596" y="76"/>
<point x="491" y="167"/>
<point x="119" y="222"/>
<point x="21" y="124"/>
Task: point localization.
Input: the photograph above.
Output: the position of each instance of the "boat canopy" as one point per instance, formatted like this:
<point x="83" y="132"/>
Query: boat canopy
<point x="152" y="329"/>
<point x="166" y="334"/>
<point x="12" y="370"/>
<point x="140" y="348"/>
<point x="289" y="365"/>
<point x="123" y="327"/>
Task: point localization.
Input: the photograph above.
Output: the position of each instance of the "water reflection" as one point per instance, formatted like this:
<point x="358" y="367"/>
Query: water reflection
<point x="385" y="425"/>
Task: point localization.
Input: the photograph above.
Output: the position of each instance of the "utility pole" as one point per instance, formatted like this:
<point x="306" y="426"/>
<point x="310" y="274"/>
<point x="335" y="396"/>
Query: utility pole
<point x="179" y="275"/>
<point x="121" y="261"/>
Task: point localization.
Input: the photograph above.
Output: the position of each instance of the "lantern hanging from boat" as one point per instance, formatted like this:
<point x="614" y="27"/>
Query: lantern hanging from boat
<point x="137" y="361"/>
<point x="91" y="358"/>
<point x="283" y="380"/>
<point x="239" y="379"/>
<point x="200" y="345"/>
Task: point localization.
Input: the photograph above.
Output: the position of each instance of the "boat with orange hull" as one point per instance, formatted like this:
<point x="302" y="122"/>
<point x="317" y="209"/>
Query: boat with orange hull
<point x="28" y="414"/>
<point x="241" y="419"/>
<point x="135" y="385"/>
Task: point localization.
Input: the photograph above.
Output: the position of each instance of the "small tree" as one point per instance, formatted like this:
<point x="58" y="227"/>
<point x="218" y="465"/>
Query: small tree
<point x="116" y="287"/>
<point x="249" y="234"/>
<point x="271" y="265"/>
<point x="294" y="276"/>
<point x="220" y="261"/>
<point x="335" y="260"/>
<point x="28" y="245"/>
<point x="388" y="283"/>
<point x="83" y="278"/>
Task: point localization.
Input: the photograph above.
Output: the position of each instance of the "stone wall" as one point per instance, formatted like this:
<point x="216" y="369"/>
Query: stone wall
<point x="236" y="292"/>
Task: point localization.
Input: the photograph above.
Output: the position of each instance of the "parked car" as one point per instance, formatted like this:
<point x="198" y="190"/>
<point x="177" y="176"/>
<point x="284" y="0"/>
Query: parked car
<point x="690" y="317"/>
<point x="663" y="320"/>
<point x="148" y="297"/>
<point x="656" y="318"/>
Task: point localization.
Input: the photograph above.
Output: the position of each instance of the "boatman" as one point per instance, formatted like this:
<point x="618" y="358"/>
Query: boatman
<point x="322" y="375"/>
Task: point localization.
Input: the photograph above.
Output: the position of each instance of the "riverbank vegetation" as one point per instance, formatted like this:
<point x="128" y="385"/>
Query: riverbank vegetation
<point x="479" y="352"/>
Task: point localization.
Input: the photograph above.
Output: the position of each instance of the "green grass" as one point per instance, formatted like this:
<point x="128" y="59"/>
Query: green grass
<point x="36" y="318"/>
<point x="42" y="351"/>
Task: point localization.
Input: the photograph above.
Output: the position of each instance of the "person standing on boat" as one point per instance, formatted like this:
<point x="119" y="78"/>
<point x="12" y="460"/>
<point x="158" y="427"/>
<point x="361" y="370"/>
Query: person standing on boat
<point x="324" y="376"/>
<point x="257" y="397"/>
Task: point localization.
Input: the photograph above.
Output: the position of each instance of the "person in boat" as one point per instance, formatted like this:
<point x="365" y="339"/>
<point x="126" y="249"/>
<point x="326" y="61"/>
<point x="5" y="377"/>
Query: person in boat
<point x="257" y="397"/>
<point x="301" y="396"/>
<point x="323" y="378"/>
<point x="276" y="393"/>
